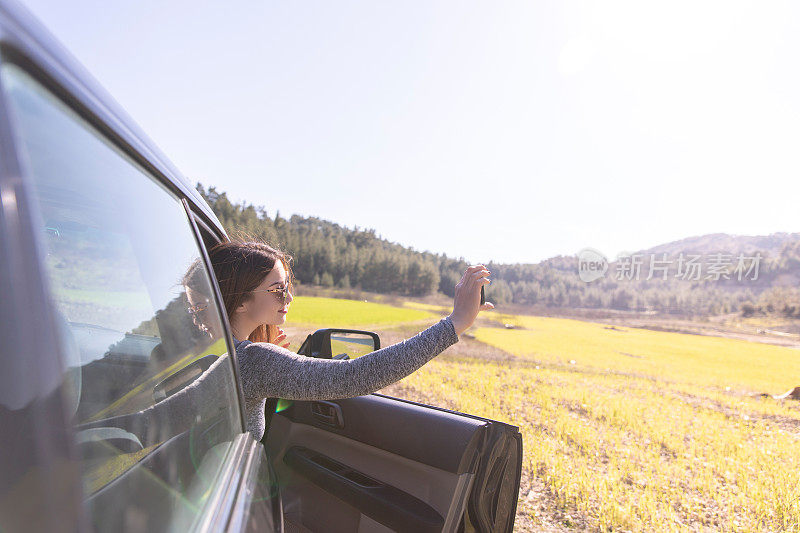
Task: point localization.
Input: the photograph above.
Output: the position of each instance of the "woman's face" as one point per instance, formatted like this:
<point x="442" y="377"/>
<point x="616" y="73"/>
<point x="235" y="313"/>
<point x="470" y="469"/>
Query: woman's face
<point x="266" y="307"/>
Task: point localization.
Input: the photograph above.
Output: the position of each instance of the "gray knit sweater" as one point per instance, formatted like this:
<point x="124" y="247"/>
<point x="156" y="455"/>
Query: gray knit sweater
<point x="270" y="371"/>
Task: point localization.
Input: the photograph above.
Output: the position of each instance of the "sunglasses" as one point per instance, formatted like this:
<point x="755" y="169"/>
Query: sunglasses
<point x="281" y="293"/>
<point x="195" y="310"/>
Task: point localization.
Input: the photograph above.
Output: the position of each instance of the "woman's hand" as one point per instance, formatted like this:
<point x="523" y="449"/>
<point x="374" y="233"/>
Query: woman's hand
<point x="281" y="337"/>
<point x="467" y="302"/>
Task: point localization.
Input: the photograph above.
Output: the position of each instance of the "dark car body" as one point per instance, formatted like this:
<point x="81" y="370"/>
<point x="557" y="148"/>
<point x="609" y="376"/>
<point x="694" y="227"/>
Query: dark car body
<point x="96" y="228"/>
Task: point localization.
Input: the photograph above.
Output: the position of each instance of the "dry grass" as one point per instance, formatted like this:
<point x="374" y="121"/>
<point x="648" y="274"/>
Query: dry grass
<point x="629" y="429"/>
<point x="626" y="429"/>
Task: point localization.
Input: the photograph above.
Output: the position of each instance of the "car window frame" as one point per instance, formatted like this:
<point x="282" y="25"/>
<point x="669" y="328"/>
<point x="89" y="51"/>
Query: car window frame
<point x="223" y="315"/>
<point x="14" y="172"/>
<point x="105" y="129"/>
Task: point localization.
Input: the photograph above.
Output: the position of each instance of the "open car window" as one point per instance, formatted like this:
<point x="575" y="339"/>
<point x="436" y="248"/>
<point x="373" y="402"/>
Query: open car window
<point x="153" y="398"/>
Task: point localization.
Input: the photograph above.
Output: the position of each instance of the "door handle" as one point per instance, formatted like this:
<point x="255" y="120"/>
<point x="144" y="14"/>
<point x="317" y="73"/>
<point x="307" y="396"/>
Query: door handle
<point x="328" y="413"/>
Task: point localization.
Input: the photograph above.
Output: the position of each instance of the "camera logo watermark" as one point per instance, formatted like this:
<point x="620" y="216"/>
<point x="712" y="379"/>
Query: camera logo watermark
<point x="593" y="265"/>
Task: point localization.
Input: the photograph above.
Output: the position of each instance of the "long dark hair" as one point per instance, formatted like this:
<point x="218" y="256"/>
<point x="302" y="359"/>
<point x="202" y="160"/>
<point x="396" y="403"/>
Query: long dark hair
<point x="239" y="268"/>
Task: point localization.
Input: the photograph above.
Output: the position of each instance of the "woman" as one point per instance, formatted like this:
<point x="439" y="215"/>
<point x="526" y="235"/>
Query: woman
<point x="256" y="283"/>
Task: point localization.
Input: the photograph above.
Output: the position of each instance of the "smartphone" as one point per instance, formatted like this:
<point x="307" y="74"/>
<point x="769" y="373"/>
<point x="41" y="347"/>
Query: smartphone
<point x="483" y="297"/>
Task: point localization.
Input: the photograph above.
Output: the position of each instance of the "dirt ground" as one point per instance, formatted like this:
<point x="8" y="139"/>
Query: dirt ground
<point x="716" y="327"/>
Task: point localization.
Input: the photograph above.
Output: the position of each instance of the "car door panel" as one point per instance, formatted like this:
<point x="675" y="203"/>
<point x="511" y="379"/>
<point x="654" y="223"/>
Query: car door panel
<point x="392" y="465"/>
<point x="376" y="499"/>
<point x="376" y="420"/>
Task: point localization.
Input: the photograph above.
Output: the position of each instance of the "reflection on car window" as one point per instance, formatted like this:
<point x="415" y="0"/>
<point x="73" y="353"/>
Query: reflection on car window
<point x="154" y="403"/>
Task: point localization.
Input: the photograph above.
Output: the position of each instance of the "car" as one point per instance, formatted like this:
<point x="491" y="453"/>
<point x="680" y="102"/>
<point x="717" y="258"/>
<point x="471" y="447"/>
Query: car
<point x="97" y="231"/>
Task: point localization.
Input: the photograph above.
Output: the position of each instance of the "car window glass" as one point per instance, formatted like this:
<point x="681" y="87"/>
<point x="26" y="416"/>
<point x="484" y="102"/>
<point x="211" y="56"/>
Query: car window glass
<point x="152" y="393"/>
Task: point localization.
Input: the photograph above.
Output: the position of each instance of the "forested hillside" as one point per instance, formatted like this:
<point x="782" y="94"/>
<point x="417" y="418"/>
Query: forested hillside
<point x="331" y="255"/>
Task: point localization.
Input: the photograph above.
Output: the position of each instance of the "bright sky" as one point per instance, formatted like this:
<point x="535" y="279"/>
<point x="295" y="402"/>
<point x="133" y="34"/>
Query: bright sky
<point x="505" y="131"/>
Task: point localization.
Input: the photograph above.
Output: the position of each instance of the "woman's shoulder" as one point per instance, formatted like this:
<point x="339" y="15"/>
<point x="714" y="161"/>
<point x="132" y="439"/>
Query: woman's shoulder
<point x="246" y="348"/>
<point x="240" y="344"/>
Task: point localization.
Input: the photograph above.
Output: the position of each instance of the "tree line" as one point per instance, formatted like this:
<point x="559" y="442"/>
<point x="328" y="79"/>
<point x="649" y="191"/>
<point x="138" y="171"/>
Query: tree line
<point x="328" y="254"/>
<point x="331" y="255"/>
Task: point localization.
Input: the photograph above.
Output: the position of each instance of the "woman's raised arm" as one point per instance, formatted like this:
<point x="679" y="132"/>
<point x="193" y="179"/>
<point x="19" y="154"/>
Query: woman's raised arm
<point x="272" y="371"/>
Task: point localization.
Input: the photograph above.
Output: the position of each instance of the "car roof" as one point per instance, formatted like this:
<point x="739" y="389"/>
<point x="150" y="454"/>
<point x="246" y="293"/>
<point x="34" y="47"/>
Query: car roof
<point x="24" y="40"/>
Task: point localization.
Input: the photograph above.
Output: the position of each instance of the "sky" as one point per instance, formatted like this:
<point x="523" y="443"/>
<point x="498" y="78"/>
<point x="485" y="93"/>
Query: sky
<point x="494" y="131"/>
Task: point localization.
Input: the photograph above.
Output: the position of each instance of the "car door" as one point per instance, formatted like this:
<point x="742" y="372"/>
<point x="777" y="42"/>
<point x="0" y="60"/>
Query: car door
<point x="148" y="410"/>
<point x="376" y="463"/>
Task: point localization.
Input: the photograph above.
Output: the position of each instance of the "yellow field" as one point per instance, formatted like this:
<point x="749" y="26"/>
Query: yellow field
<point x="333" y="312"/>
<point x="700" y="360"/>
<point x="629" y="429"/>
<point x="438" y="309"/>
<point x="620" y="453"/>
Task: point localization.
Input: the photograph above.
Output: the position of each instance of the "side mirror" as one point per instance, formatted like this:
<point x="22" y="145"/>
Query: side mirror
<point x="333" y="343"/>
